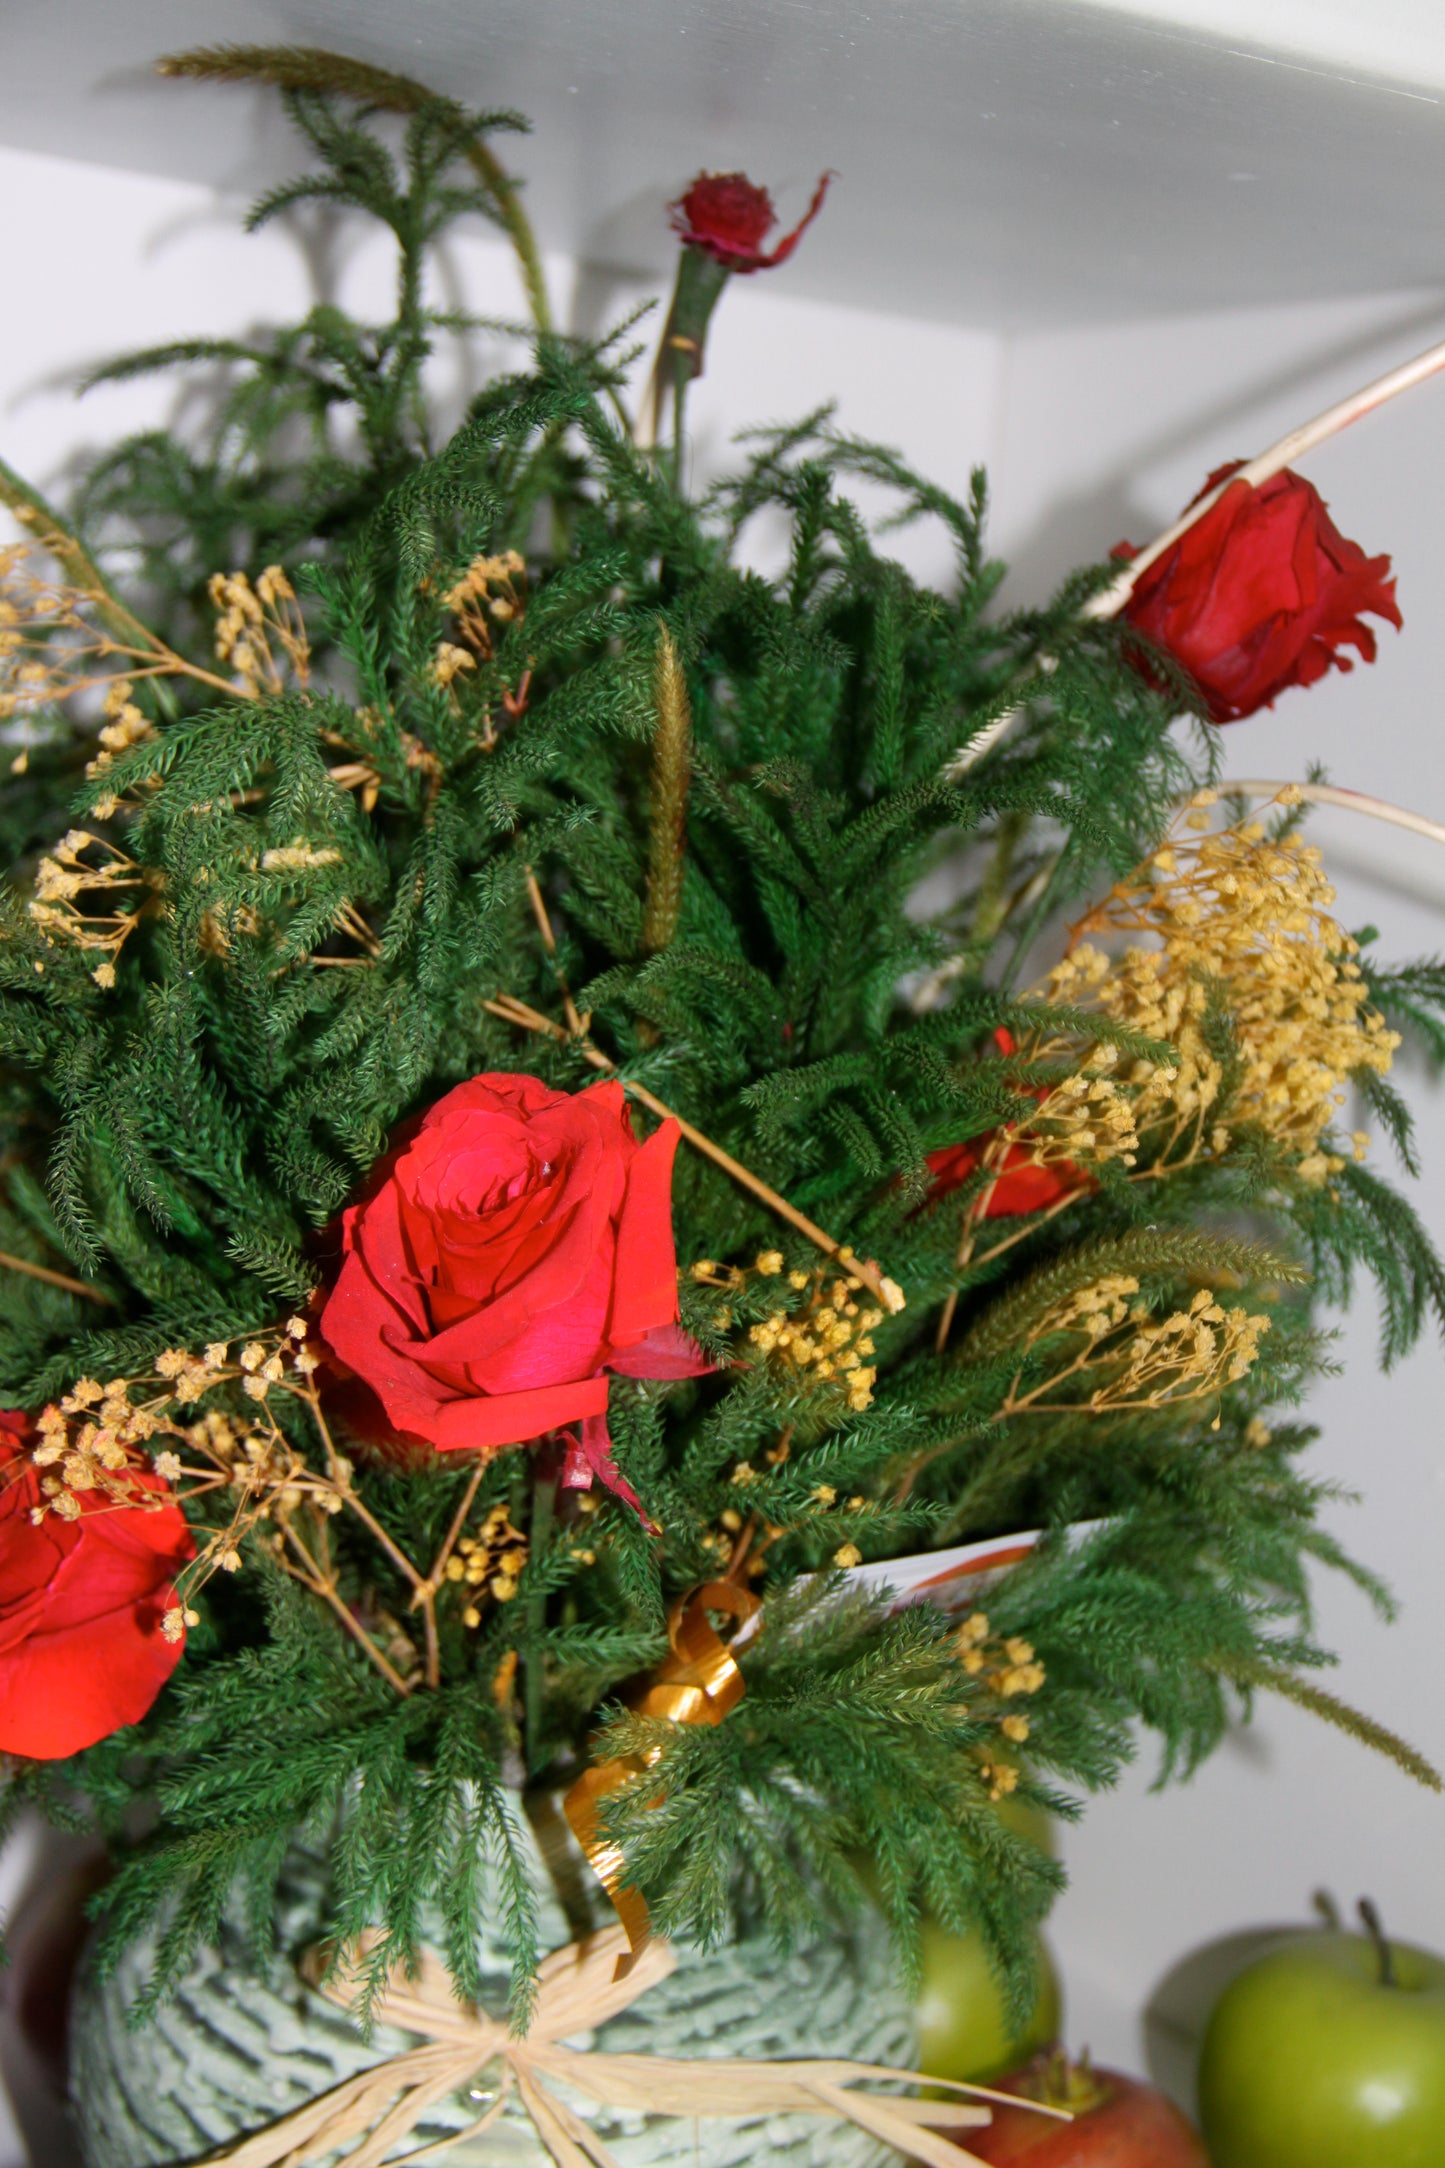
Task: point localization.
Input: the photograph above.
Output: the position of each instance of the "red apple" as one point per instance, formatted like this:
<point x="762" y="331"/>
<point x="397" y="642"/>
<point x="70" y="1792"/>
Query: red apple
<point x="1118" y="2122"/>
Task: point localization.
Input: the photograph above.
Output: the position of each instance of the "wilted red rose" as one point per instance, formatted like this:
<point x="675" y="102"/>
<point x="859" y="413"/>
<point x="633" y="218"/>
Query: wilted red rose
<point x="726" y="216"/>
<point x="1021" y="1184"/>
<point x="1263" y="591"/>
<point x="513" y="1248"/>
<point x="81" y="1604"/>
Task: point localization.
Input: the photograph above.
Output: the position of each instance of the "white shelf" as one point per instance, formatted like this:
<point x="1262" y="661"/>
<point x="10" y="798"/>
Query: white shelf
<point x="1002" y="163"/>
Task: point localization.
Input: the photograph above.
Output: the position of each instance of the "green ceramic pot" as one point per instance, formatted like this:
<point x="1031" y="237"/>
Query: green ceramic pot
<point x="234" y="2049"/>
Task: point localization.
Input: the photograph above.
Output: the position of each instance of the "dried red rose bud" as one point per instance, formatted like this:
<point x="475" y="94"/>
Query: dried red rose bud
<point x="1261" y="592"/>
<point x="726" y="216"/>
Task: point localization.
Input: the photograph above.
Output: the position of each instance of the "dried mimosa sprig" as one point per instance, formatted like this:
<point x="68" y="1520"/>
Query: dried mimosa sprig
<point x="1123" y="1359"/>
<point x="64" y="877"/>
<point x="99" y="1439"/>
<point x="1241" y="919"/>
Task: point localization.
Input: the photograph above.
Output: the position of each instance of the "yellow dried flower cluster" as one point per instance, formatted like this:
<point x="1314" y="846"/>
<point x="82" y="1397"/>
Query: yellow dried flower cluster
<point x="1006" y="1669"/>
<point x="105" y="1437"/>
<point x="492" y="1559"/>
<point x="362" y="774"/>
<point x="1238" y="920"/>
<point x="1125" y="1358"/>
<point x="449" y="662"/>
<point x="123" y="727"/>
<point x="49" y="648"/>
<point x="64" y="875"/>
<point x="298" y="856"/>
<point x="1084" y="1119"/>
<point x="828" y="1338"/>
<point x="89" y="1443"/>
<point x="492" y="590"/>
<point x="59" y="638"/>
<point x="260" y="632"/>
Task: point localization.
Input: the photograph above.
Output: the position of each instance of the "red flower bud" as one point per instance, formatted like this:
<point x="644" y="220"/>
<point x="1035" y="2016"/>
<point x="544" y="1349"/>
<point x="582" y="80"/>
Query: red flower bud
<point x="1261" y="592"/>
<point x="726" y="216"/>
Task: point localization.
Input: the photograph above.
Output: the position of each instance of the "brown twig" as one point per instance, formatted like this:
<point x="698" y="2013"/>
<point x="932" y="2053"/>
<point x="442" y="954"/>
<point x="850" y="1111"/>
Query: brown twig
<point x="741" y="1548"/>
<point x="575" y="1023"/>
<point x="512" y="1011"/>
<point x="55" y="1279"/>
<point x="320" y="1586"/>
<point x="459" y="1522"/>
<point x="423" y="1596"/>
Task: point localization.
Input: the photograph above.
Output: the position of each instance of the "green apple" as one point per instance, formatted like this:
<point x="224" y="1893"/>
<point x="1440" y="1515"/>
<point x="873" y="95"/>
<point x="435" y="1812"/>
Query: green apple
<point x="962" y="2027"/>
<point x="963" y="2031"/>
<point x="1328" y="2053"/>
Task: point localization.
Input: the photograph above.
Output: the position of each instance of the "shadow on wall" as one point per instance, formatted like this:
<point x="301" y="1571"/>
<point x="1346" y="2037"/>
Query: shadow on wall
<point x="1178" y="2010"/>
<point x="1084" y="526"/>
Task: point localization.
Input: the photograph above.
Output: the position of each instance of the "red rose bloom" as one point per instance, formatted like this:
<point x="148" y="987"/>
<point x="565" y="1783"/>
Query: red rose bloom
<point x="1262" y="592"/>
<point x="1021" y="1185"/>
<point x="726" y="216"/>
<point x="81" y="1603"/>
<point x="513" y="1248"/>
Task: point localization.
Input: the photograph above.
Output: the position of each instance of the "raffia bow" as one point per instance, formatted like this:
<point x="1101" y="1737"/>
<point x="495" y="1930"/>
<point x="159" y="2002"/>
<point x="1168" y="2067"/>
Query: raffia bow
<point x="578" y="1990"/>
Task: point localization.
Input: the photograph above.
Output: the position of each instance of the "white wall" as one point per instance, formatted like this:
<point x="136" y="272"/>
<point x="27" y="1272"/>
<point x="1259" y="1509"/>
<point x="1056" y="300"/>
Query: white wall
<point x="1107" y="434"/>
<point x="1090" y="436"/>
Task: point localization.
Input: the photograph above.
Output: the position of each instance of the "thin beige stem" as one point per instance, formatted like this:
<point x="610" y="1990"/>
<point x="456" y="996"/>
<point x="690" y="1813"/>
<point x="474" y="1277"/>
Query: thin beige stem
<point x="167" y="663"/>
<point x="517" y="1012"/>
<point x="55" y="1279"/>
<point x="1353" y="801"/>
<point x="433" y="1646"/>
<point x="538" y="902"/>
<point x="313" y="1579"/>
<point x="1034" y="1221"/>
<point x="994" y="1155"/>
<point x="349" y="1497"/>
<point x="33" y="513"/>
<point x="459" y="1522"/>
<point x="393" y="1550"/>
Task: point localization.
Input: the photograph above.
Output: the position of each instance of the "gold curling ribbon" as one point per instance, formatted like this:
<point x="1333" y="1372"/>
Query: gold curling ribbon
<point x="698" y="1683"/>
<point x="578" y="1989"/>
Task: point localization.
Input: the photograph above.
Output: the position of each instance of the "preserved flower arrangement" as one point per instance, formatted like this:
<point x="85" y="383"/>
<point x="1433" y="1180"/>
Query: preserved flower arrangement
<point x="514" y="1224"/>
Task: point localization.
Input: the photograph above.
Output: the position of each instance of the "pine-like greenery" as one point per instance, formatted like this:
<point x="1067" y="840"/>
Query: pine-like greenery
<point x="728" y="789"/>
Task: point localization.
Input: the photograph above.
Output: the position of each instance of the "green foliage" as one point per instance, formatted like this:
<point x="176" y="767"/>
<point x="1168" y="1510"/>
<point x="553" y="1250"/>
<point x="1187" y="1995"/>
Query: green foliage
<point x="336" y="882"/>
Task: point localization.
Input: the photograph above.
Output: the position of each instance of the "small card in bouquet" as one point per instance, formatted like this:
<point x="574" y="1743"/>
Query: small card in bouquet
<point x="950" y="1579"/>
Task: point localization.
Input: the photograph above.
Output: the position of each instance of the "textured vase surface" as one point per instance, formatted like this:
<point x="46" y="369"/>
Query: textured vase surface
<point x="234" y="2049"/>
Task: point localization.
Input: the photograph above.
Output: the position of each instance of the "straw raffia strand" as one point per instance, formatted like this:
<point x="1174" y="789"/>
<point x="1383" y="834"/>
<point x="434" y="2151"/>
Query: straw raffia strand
<point x="578" y="1991"/>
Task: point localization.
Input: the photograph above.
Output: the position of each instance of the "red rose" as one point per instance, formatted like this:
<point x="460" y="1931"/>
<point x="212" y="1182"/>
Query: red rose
<point x="1261" y="592"/>
<point x="726" y="216"/>
<point x="1021" y="1184"/>
<point x="512" y="1249"/>
<point x="81" y="1603"/>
